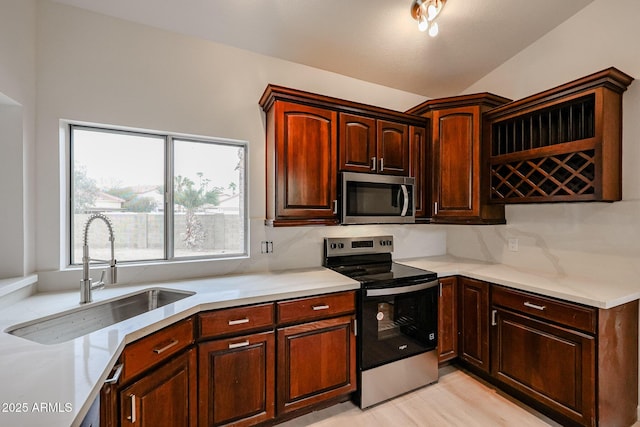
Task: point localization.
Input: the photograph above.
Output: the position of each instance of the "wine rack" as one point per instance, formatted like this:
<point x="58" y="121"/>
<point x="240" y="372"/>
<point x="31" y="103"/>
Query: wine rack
<point x="560" y="145"/>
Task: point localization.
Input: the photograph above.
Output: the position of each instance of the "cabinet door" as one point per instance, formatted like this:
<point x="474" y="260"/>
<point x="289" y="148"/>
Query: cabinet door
<point x="553" y="365"/>
<point x="473" y="310"/>
<point x="237" y="380"/>
<point x="419" y="169"/>
<point x="448" y="319"/>
<point x="393" y="148"/>
<point x="166" y="396"/>
<point x="306" y="162"/>
<point x="357" y="143"/>
<point x="316" y="362"/>
<point x="456" y="142"/>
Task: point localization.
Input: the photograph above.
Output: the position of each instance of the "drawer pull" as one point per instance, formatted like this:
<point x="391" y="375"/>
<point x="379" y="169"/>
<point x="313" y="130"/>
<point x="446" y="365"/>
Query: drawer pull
<point x="116" y="375"/>
<point x="132" y="417"/>
<point x="320" y="307"/>
<point x="537" y="307"/>
<point x="238" y="322"/>
<point x="166" y="347"/>
<point x="238" y="344"/>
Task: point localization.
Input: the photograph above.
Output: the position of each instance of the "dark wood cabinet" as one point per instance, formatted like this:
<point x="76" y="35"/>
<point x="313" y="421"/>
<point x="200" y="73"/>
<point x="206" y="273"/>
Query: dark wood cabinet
<point x="316" y="363"/>
<point x="166" y="396"/>
<point x="552" y="364"/>
<point x="358" y="145"/>
<point x="311" y="137"/>
<point x="578" y="364"/>
<point x="460" y="192"/>
<point x="561" y="145"/>
<point x="393" y="148"/>
<point x="302" y="165"/>
<point x="237" y="380"/>
<point x="420" y="170"/>
<point x="373" y="146"/>
<point x="155" y="382"/>
<point x="473" y="312"/>
<point x="448" y="319"/>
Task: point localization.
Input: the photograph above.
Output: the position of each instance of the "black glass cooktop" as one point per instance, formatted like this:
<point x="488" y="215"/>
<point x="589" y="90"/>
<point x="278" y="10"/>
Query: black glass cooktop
<point x="375" y="271"/>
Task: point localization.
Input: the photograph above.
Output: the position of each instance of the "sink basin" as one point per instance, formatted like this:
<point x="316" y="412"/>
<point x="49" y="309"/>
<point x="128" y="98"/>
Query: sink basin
<point x="84" y="320"/>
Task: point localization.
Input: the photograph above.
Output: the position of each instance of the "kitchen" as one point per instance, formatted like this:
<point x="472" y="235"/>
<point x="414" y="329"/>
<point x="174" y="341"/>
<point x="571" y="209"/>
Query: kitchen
<point x="112" y="82"/>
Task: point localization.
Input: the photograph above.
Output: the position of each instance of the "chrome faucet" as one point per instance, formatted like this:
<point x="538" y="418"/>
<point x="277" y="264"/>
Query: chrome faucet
<point x="85" y="284"/>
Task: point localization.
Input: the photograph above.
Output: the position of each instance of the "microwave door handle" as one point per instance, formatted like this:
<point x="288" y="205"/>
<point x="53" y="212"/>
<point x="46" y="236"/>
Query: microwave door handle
<point x="405" y="204"/>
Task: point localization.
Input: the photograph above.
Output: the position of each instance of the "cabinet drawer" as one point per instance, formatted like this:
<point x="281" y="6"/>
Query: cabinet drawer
<point x="304" y="309"/>
<point x="151" y="350"/>
<point x="234" y="320"/>
<point x="565" y="313"/>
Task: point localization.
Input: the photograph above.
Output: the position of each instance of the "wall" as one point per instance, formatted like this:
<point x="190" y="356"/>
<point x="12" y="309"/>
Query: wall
<point x="95" y="68"/>
<point x="17" y="141"/>
<point x="596" y="240"/>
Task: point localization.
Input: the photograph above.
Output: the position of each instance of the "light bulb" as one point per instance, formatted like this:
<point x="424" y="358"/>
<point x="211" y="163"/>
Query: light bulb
<point x="423" y="23"/>
<point x="432" y="11"/>
<point x="433" y="29"/>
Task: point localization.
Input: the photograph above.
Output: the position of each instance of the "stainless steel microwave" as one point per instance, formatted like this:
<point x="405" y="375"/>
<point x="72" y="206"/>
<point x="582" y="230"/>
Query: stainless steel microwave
<point x="377" y="199"/>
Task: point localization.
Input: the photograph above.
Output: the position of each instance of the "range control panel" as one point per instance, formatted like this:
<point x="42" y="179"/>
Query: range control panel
<point x="340" y="246"/>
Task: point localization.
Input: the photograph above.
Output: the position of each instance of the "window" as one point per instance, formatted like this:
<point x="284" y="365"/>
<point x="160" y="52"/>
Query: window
<point x="167" y="196"/>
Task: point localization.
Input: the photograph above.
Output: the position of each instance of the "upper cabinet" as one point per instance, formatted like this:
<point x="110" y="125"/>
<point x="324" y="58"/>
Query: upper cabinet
<point x="459" y="192"/>
<point x="373" y="146"/>
<point x="302" y="174"/>
<point x="564" y="144"/>
<point x="311" y="138"/>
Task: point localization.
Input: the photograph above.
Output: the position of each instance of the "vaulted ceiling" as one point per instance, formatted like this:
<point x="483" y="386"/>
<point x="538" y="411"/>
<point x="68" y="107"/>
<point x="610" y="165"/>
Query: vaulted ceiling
<point x="372" y="40"/>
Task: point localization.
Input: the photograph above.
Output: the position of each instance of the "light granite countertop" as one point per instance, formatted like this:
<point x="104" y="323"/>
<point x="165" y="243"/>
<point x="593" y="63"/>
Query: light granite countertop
<point x="56" y="384"/>
<point x="582" y="290"/>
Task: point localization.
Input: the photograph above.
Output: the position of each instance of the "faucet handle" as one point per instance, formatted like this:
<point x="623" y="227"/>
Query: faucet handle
<point x="100" y="283"/>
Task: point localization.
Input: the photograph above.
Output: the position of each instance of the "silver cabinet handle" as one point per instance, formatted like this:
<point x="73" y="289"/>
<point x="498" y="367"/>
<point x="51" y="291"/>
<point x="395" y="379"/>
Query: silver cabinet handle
<point x="320" y="307"/>
<point x="493" y="317"/>
<point x="116" y="375"/>
<point x="435" y="208"/>
<point x="132" y="417"/>
<point x="381" y="164"/>
<point x="373" y="163"/>
<point x="335" y="207"/>
<point x="166" y="347"/>
<point x="238" y="344"/>
<point x="238" y="322"/>
<point x="537" y="307"/>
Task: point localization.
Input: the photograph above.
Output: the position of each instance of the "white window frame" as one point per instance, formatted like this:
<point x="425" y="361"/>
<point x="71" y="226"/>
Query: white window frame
<point x="67" y="130"/>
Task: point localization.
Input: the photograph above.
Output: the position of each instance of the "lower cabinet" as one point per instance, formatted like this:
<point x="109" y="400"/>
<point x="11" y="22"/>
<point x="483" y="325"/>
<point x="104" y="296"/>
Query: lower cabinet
<point x="316" y="362"/>
<point x="448" y="319"/>
<point x="166" y="397"/>
<point x="577" y="364"/>
<point x="473" y="312"/>
<point x="553" y="365"/>
<point x="237" y="380"/>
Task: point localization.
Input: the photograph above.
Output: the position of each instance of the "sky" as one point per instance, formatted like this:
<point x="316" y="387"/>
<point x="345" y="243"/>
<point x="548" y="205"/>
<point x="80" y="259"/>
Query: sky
<point x="121" y="159"/>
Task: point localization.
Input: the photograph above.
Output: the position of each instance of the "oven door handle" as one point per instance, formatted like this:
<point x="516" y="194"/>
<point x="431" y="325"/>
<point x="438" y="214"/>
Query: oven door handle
<point x="405" y="204"/>
<point x="400" y="289"/>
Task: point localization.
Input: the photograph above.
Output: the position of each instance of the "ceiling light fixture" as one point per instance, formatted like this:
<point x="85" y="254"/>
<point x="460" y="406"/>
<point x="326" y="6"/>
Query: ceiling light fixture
<point x="425" y="12"/>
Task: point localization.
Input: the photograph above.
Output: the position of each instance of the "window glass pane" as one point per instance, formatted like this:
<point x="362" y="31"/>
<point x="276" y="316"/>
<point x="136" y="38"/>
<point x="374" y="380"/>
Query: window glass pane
<point x="208" y="196"/>
<point x="120" y="174"/>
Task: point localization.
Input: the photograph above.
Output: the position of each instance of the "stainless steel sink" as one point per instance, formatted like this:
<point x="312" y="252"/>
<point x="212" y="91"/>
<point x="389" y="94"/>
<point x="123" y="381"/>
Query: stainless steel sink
<point x="84" y="320"/>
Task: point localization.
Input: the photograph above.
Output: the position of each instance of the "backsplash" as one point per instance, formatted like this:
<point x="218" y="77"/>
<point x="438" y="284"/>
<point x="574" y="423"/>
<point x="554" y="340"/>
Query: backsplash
<point x="594" y="240"/>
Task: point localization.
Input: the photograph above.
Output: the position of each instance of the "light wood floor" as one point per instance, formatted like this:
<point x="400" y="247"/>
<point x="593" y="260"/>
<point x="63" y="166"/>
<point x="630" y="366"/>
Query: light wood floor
<point x="458" y="399"/>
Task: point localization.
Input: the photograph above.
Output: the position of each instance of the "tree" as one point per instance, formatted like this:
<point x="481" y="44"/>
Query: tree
<point x="85" y="190"/>
<point x="191" y="199"/>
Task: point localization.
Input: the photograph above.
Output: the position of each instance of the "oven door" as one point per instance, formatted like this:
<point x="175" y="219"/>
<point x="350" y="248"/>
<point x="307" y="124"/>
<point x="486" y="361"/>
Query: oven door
<point x="398" y="322"/>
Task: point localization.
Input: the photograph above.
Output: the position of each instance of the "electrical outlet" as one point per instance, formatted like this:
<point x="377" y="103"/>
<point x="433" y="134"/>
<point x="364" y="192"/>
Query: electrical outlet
<point x="266" y="247"/>
<point x="513" y="245"/>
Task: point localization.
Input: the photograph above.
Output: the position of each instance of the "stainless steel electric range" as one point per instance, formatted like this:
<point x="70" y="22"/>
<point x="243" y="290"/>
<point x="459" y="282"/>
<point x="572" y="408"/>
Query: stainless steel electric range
<point x="397" y="317"/>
